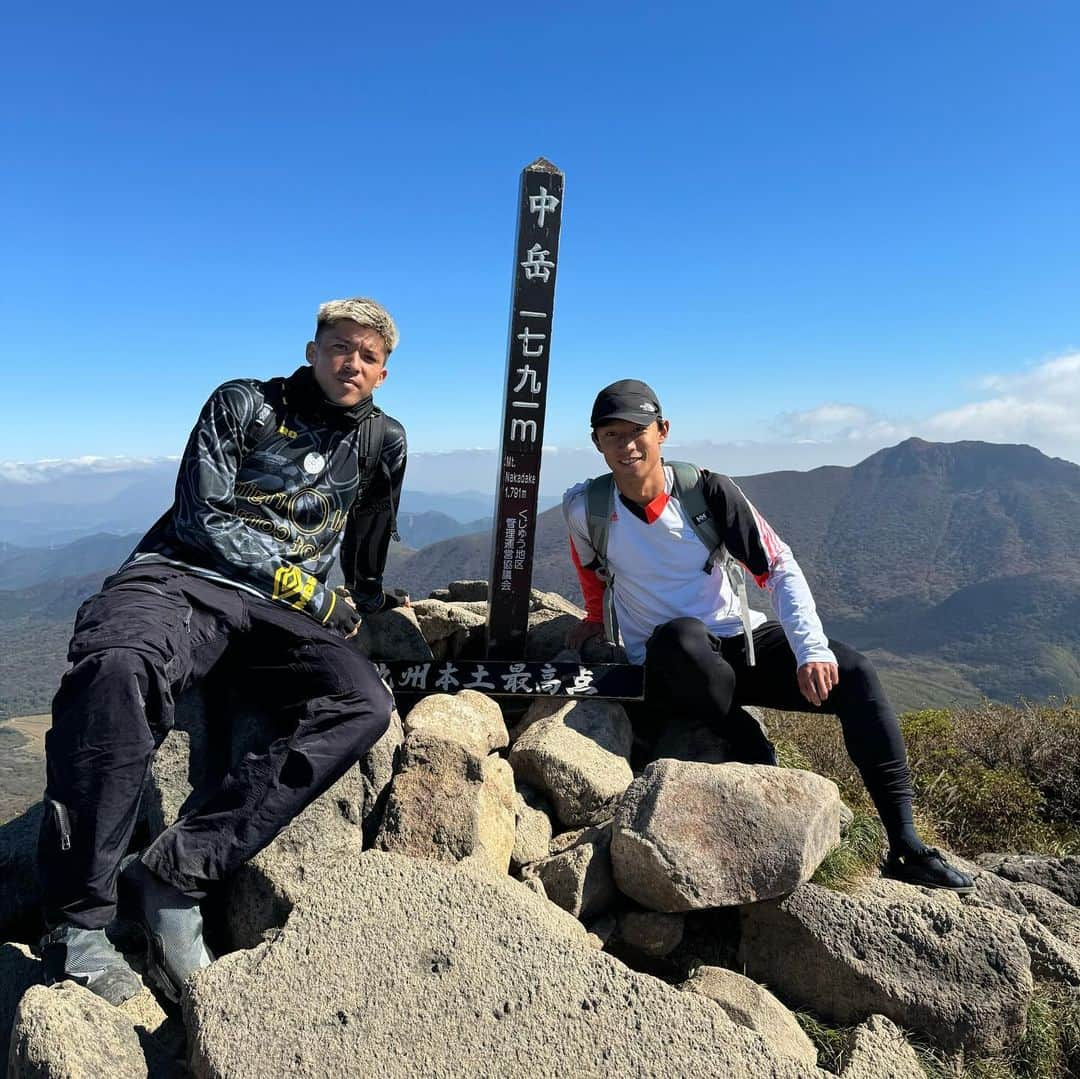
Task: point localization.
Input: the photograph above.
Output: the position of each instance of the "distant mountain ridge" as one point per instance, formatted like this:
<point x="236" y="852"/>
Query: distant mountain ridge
<point x="899" y="550"/>
<point x="956" y="566"/>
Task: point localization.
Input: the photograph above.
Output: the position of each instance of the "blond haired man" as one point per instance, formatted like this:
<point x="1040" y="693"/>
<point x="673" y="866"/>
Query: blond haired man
<point x="278" y="476"/>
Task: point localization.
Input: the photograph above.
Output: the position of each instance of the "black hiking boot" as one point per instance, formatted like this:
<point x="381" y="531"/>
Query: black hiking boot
<point x="87" y="957"/>
<point x="172" y="923"/>
<point x="927" y="869"/>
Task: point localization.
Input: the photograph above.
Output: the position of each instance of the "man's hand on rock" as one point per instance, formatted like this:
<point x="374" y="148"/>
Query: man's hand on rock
<point x="344" y="617"/>
<point x="816" y="680"/>
<point x="584" y="631"/>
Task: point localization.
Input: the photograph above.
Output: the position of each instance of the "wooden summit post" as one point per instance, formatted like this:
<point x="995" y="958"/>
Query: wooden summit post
<point x="505" y="671"/>
<point x="532" y="307"/>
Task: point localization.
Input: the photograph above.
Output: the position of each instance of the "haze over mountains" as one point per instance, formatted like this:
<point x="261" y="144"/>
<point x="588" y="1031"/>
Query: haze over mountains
<point x="957" y="566"/>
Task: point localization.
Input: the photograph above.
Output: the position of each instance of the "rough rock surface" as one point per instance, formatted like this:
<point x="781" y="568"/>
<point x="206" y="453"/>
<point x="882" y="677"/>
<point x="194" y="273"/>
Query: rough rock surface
<point x="260" y="894"/>
<point x="393" y="634"/>
<point x="168" y="783"/>
<point x="651" y="932"/>
<point x="751" y="1005"/>
<point x="376" y="771"/>
<point x="687" y="738"/>
<point x="65" y="1032"/>
<point x="879" y="1050"/>
<point x="466" y="591"/>
<point x="577" y="753"/>
<point x="689" y="836"/>
<point x="1052" y="960"/>
<point x="960" y="975"/>
<point x="469" y="718"/>
<point x="438" y="620"/>
<point x="547" y="634"/>
<point x="496" y="980"/>
<point x="1060" y="917"/>
<point x="18" y="971"/>
<point x="1058" y="875"/>
<point x="577" y="875"/>
<point x="532" y="832"/>
<point x="447" y="803"/>
<point x="20" y="892"/>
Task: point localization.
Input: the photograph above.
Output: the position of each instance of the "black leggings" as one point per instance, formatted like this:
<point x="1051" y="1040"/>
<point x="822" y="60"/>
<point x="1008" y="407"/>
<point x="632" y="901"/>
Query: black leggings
<point x="693" y="672"/>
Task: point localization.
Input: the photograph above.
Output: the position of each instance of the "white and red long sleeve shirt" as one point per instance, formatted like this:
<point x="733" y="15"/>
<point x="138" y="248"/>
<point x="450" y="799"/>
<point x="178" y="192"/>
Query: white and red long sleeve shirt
<point x="657" y="564"/>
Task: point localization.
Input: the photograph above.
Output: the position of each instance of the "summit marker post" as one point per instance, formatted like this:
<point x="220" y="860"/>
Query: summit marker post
<point x="504" y="670"/>
<point x="532" y="307"/>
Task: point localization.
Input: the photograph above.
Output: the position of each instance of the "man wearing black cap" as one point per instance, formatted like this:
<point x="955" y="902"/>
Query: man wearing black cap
<point x="656" y="553"/>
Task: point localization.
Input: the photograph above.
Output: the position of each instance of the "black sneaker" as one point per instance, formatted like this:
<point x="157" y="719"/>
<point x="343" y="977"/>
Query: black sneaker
<point x="172" y="923"/>
<point x="87" y="957"/>
<point x="928" y="869"/>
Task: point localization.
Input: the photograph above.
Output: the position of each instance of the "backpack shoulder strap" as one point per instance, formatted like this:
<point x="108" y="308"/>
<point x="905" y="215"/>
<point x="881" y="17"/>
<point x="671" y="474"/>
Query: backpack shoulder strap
<point x="599" y="493"/>
<point x="369" y="458"/>
<point x="270" y="415"/>
<point x="689" y="488"/>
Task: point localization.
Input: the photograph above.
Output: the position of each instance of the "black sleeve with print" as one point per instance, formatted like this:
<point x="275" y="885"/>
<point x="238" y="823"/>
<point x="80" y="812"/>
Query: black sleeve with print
<point x="268" y="516"/>
<point x="371" y="522"/>
<point x="740" y="527"/>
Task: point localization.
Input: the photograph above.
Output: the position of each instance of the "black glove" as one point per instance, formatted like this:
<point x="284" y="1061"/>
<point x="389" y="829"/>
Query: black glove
<point x="343" y="618"/>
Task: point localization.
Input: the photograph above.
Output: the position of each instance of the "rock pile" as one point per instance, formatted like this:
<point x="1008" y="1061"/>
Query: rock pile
<point x="495" y="891"/>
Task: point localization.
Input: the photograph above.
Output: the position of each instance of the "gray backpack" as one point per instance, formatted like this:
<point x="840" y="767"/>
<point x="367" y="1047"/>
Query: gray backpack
<point x="688" y="488"/>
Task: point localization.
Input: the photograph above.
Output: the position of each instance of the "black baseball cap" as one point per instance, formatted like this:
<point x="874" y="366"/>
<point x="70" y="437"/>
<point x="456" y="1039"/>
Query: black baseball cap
<point x="627" y="399"/>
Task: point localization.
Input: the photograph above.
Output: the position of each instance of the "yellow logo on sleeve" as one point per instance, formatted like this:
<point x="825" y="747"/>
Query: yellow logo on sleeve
<point x="293" y="586"/>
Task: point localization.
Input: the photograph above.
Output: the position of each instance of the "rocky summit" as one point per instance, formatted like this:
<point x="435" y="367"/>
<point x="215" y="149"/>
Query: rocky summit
<point x="499" y="890"/>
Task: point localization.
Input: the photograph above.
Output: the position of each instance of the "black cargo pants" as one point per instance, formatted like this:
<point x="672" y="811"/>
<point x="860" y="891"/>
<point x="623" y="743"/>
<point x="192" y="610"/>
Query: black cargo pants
<point x="150" y="632"/>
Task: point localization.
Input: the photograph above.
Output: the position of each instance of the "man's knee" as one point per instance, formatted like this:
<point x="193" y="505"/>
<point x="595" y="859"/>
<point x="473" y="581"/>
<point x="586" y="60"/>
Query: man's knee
<point x="857" y="674"/>
<point x="680" y="636"/>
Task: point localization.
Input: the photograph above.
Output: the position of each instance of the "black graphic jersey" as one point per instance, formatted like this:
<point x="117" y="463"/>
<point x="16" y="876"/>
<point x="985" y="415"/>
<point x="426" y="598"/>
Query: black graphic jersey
<point x="271" y="485"/>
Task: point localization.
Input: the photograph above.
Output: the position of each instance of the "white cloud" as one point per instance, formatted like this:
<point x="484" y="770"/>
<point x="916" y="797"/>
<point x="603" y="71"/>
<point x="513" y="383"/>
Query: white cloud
<point x="1040" y="406"/>
<point x="33" y="472"/>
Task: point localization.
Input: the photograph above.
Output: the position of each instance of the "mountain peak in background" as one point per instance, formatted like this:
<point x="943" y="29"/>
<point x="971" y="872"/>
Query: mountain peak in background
<point x="956" y="565"/>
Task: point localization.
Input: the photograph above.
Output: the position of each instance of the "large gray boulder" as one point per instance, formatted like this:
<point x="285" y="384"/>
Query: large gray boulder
<point x="447" y="803"/>
<point x="1052" y="960"/>
<point x="689" y="836"/>
<point x="753" y="1006"/>
<point x="469" y="718"/>
<point x="650" y="932"/>
<point x="20" y="891"/>
<point x="1060" y="917"/>
<point x="467" y="591"/>
<point x="959" y="975"/>
<point x="446" y="626"/>
<point x="577" y="874"/>
<point x="879" y="1050"/>
<point x="497" y="982"/>
<point x="65" y="1032"/>
<point x="532" y="831"/>
<point x="393" y="634"/>
<point x="262" y="891"/>
<point x="577" y="753"/>
<point x="1058" y="875"/>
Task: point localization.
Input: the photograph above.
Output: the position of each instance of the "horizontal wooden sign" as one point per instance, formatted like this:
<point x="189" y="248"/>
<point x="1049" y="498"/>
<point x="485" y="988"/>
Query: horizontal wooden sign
<point x="516" y="678"/>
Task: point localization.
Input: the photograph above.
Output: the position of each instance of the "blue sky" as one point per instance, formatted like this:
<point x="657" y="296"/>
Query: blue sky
<point x="814" y="227"/>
